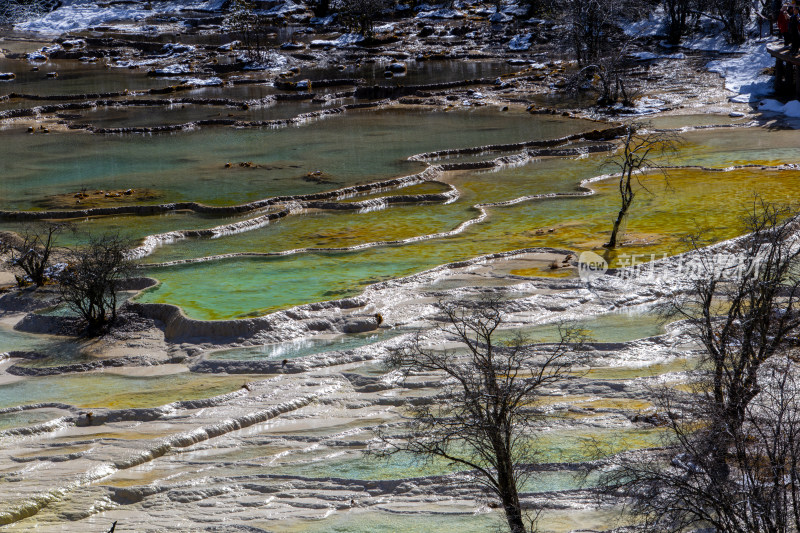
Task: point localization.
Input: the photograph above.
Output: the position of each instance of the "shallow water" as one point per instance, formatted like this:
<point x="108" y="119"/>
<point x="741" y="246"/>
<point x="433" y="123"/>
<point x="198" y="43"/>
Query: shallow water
<point x="560" y="445"/>
<point x="355" y="522"/>
<point x="673" y="208"/>
<point x="418" y="73"/>
<point x="611" y="327"/>
<point x="176" y="169"/>
<point x="470" y="521"/>
<point x="116" y="391"/>
<point x="11" y="340"/>
<point x="738" y="146"/>
<point x="74" y="78"/>
<point x="27" y="418"/>
<point x="149" y="116"/>
<point x="190" y="166"/>
<point x="693" y="121"/>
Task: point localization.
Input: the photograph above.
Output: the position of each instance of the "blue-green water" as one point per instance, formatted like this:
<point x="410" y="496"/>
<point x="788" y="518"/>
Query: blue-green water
<point x="116" y="391"/>
<point x="191" y="165"/>
<point x="610" y="327"/>
<point x="11" y="340"/>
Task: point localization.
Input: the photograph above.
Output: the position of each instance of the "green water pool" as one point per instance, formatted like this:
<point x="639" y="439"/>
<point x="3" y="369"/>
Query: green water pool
<point x="240" y="286"/>
<point x="610" y="327"/>
<point x="556" y="445"/>
<point x="190" y="165"/>
<point x="369" y="145"/>
<point x="116" y="391"/>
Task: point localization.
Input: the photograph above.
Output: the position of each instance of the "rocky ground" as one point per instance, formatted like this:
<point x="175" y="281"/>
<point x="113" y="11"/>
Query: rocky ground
<point x="308" y="60"/>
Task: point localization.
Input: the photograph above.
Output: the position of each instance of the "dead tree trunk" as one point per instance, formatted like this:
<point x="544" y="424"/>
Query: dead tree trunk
<point x="626" y="196"/>
<point x="637" y="155"/>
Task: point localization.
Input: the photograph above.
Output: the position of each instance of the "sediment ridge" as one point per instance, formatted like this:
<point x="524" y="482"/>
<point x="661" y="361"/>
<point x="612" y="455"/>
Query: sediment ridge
<point x="160" y="447"/>
<point x="177" y="326"/>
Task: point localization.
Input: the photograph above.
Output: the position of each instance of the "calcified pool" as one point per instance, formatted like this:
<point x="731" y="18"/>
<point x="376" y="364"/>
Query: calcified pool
<point x="317" y="242"/>
<point x="327" y="213"/>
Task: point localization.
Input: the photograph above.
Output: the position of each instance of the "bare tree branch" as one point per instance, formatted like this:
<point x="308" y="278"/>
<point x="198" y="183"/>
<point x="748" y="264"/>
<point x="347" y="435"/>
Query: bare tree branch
<point x="642" y="150"/>
<point x="484" y="417"/>
<point x="732" y="454"/>
<point x="89" y="284"/>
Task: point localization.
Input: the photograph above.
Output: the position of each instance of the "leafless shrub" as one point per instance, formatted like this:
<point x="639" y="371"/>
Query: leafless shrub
<point x="89" y="284"/>
<point x="32" y="251"/>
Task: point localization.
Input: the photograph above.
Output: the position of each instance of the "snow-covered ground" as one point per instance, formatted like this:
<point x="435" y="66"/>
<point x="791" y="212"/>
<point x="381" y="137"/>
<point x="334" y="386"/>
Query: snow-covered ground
<point x="74" y="15"/>
<point x="343" y="41"/>
<point x="649" y="27"/>
<point x="744" y="73"/>
<point x="790" y="109"/>
<point x="520" y="42"/>
<point x="647" y="56"/>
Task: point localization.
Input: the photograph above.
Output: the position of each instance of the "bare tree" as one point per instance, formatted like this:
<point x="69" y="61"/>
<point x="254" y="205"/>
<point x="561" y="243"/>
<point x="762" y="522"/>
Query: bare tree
<point x="589" y="24"/>
<point x="611" y="71"/>
<point x="90" y="282"/>
<point x="12" y="11"/>
<point x="732" y="460"/>
<point x="360" y="15"/>
<point x="679" y="14"/>
<point x="641" y="150"/>
<point x="250" y="27"/>
<point x="743" y="310"/>
<point x="32" y="251"/>
<point x="484" y="419"/>
<point x="734" y="16"/>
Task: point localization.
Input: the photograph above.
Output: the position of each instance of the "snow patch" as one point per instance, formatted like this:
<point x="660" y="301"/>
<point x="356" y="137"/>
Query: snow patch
<point x="385" y="28"/>
<point x="268" y="61"/>
<point x="647" y="105"/>
<point x="744" y="74"/>
<point x="500" y="18"/>
<point x="653" y="25"/>
<point x="322" y="21"/>
<point x="178" y="49"/>
<point x="199" y="82"/>
<point x="647" y="56"/>
<point x="515" y="9"/>
<point x="75" y="43"/>
<point x="348" y="39"/>
<point x="228" y="47"/>
<point x="790" y="109"/>
<point x="286" y="8"/>
<point x="444" y="13"/>
<point x="520" y="42"/>
<point x="172" y="70"/>
<point x="37" y="56"/>
<point x="75" y="15"/>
